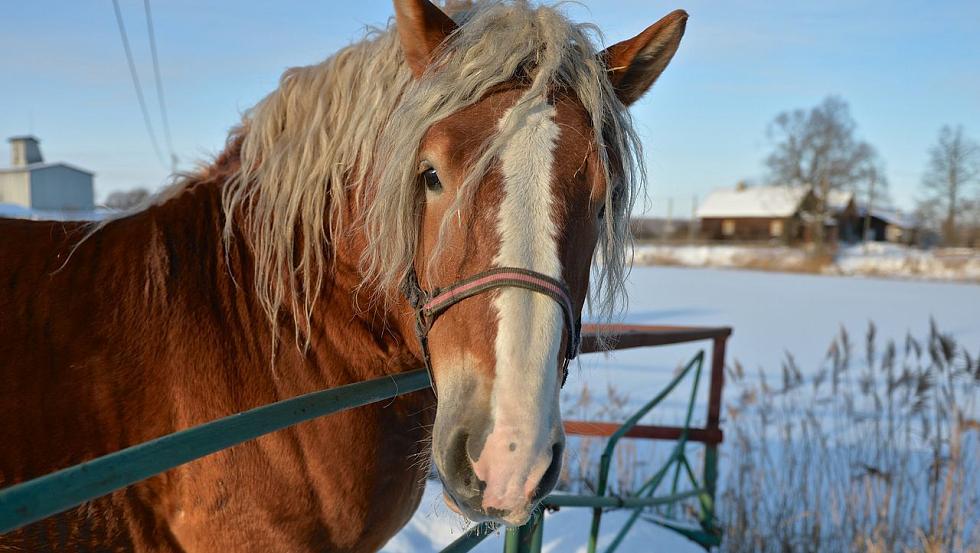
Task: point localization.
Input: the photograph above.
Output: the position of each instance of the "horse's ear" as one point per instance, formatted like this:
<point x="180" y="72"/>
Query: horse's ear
<point x="636" y="63"/>
<point x="422" y="27"/>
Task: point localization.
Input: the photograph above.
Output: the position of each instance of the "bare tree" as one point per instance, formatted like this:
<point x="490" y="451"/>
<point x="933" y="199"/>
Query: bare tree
<point x="950" y="180"/>
<point x="872" y="190"/>
<point x="818" y="148"/>
<point x="126" y="199"/>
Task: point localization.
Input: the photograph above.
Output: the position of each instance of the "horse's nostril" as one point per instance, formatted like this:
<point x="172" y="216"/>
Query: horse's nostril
<point x="550" y="477"/>
<point x="459" y="469"/>
<point x="457" y="451"/>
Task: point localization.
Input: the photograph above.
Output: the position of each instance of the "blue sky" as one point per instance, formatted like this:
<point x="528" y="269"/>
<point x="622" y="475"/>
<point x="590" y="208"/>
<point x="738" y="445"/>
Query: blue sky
<point x="906" y="68"/>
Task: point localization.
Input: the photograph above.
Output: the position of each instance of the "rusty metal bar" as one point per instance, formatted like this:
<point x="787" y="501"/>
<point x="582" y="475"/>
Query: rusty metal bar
<point x="714" y="421"/>
<point x="648" y="432"/>
<point x="717" y="380"/>
<point x="618" y="336"/>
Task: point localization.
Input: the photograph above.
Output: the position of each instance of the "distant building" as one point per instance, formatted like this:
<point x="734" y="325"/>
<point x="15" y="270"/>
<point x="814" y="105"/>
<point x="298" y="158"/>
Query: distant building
<point x="787" y="213"/>
<point x="885" y="225"/>
<point x="773" y="213"/>
<point x="843" y="214"/>
<point x="33" y="184"/>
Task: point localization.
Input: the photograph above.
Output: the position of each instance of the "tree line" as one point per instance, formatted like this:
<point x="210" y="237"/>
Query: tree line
<point x="819" y="147"/>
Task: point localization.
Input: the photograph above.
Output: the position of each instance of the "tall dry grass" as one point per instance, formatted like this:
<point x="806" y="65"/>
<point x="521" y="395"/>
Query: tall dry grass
<point x="876" y="452"/>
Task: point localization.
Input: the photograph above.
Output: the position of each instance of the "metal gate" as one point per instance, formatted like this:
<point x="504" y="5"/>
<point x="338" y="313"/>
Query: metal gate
<point x="59" y="491"/>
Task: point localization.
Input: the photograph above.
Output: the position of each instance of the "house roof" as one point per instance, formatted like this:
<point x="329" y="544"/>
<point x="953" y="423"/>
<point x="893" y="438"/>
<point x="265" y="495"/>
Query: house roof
<point x="756" y="201"/>
<point x="838" y="200"/>
<point x="44" y="165"/>
<point x="889" y="216"/>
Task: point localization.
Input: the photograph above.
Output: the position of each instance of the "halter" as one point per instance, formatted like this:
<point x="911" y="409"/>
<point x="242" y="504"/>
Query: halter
<point x="429" y="305"/>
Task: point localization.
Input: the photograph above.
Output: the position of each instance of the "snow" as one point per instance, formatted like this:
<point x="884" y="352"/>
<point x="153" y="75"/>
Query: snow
<point x="776" y="257"/>
<point x="15" y="211"/>
<point x="872" y="259"/>
<point x="771" y="313"/>
<point x="434" y="527"/>
<point x="756" y="201"/>
<point x="895" y="260"/>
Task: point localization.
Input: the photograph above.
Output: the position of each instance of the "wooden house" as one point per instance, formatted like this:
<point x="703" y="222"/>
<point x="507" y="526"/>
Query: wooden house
<point x="759" y="213"/>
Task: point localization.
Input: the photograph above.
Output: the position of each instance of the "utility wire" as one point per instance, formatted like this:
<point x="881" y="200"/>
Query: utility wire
<point x="136" y="82"/>
<point x="159" y="83"/>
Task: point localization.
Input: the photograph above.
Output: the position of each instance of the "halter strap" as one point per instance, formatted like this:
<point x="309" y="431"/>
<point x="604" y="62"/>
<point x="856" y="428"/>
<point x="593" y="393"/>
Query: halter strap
<point x="428" y="306"/>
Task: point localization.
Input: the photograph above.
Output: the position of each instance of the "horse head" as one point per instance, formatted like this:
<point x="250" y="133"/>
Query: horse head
<point x="535" y="174"/>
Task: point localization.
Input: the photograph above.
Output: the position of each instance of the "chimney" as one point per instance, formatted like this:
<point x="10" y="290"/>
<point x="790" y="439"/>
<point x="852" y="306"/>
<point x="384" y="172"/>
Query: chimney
<point x="24" y="150"/>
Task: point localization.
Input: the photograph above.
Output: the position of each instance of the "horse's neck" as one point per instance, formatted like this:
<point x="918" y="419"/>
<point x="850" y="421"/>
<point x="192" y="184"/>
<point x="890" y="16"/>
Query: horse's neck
<point x="202" y="301"/>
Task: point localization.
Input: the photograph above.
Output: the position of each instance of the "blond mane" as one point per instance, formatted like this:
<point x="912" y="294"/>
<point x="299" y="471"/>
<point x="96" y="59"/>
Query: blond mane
<point x="334" y="149"/>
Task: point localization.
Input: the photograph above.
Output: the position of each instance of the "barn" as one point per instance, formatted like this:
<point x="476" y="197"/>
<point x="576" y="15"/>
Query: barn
<point x="31" y="183"/>
<point x="884" y="225"/>
<point x="770" y="213"/>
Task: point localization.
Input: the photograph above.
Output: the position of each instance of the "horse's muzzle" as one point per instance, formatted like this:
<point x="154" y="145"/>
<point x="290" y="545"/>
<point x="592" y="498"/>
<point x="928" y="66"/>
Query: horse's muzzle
<point x="484" y="481"/>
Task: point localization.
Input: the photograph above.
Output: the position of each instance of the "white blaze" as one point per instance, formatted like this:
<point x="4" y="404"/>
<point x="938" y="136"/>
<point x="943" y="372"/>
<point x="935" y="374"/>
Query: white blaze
<point x="517" y="452"/>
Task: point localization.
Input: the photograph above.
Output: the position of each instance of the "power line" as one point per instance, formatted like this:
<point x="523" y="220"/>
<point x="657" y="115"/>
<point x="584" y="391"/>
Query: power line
<point x="159" y="84"/>
<point x="136" y="81"/>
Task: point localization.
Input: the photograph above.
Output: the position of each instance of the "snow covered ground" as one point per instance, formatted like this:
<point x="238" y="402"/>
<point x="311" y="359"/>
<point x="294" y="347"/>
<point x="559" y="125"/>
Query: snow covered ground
<point x="873" y="259"/>
<point x="900" y="261"/>
<point x="14" y="211"/>
<point x="434" y="527"/>
<point x="771" y="313"/>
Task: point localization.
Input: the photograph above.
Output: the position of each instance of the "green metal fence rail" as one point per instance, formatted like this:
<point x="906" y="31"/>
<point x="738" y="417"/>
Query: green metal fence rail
<point x="59" y="491"/>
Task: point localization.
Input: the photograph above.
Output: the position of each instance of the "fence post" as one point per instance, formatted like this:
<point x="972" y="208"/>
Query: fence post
<point x="537" y="534"/>
<point x="713" y="422"/>
<point x="527" y="538"/>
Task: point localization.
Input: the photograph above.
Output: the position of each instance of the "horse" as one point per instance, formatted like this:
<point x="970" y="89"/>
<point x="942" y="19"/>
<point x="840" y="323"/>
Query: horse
<point x="485" y="157"/>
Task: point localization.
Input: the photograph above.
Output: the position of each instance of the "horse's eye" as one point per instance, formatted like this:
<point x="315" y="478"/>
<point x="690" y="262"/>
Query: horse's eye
<point x="432" y="182"/>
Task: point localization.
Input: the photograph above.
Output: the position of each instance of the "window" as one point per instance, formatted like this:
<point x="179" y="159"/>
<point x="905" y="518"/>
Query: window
<point x="776" y="228"/>
<point x="728" y="227"/>
<point x="893" y="233"/>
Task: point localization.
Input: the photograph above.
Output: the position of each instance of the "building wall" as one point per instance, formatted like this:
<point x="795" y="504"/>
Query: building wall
<point x="59" y="188"/>
<point x="850" y="227"/>
<point x="15" y="188"/>
<point x="24" y="151"/>
<point x="785" y="229"/>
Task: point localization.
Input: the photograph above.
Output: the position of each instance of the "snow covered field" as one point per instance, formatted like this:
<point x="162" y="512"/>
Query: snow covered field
<point x="14" y="211"/>
<point x="873" y="259"/>
<point x="771" y="313"/>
